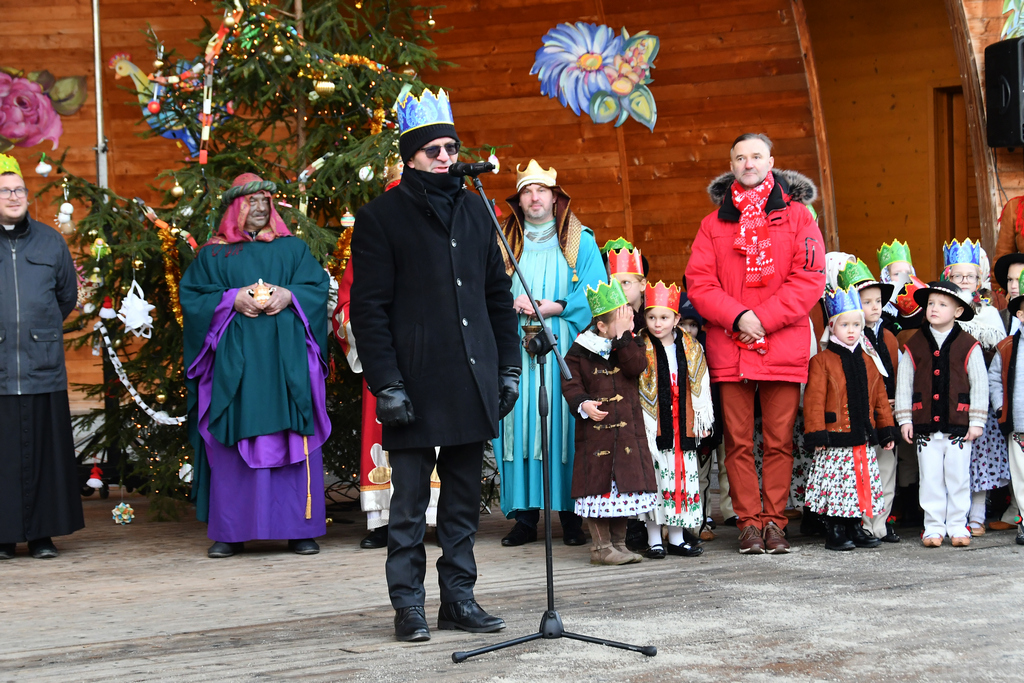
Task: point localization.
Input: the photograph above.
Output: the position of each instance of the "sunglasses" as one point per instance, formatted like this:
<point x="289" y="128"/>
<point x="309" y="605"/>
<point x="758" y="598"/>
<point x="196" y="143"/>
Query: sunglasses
<point x="432" y="152"/>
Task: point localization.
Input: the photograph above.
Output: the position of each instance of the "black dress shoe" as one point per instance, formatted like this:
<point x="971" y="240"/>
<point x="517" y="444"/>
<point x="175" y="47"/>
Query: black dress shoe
<point x="711" y="523"/>
<point x="1020" y="533"/>
<point x="811" y="524"/>
<point x="573" y="536"/>
<point x="859" y="535"/>
<point x="42" y="549"/>
<point x="835" y="538"/>
<point x="467" y="615"/>
<point x="731" y="521"/>
<point x="222" y="549"/>
<point x="691" y="538"/>
<point x="411" y="624"/>
<point x="890" y="534"/>
<point x="377" y="538"/>
<point x="685" y="549"/>
<point x="656" y="552"/>
<point x="636" y="535"/>
<point x="303" y="546"/>
<point x="6" y="551"/>
<point x="519" y="535"/>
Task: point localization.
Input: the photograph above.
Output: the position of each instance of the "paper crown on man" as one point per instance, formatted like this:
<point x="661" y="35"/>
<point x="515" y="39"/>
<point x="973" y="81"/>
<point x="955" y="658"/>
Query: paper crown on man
<point x="422" y="119"/>
<point x="607" y="297"/>
<point x="533" y="174"/>
<point x="839" y="301"/>
<point x="662" y="296"/>
<point x="9" y="164"/>
<point x="235" y="204"/>
<point x="625" y="262"/>
<point x="894" y="253"/>
<point x="859" y="276"/>
<point x="966" y="252"/>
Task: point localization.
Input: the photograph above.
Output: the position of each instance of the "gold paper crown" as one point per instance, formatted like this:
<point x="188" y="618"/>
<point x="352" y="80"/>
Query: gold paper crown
<point x="9" y="164"/>
<point x="534" y="174"/>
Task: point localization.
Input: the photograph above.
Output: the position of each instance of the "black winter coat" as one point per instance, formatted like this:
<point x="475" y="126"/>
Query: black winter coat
<point x="432" y="308"/>
<point x="38" y="290"/>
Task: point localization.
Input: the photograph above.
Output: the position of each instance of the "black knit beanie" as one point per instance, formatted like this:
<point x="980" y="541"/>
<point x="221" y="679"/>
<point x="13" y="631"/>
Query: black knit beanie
<point x="414" y="140"/>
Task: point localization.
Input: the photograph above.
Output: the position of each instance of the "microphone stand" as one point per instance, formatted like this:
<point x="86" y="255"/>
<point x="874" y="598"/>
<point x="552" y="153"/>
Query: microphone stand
<point x="539" y="347"/>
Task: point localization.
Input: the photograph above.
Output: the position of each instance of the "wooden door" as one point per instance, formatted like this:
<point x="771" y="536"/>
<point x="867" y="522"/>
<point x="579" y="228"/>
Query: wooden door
<point x="956" y="195"/>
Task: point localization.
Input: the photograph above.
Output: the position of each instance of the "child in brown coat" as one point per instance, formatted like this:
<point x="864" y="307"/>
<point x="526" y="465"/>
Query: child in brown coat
<point x="613" y="472"/>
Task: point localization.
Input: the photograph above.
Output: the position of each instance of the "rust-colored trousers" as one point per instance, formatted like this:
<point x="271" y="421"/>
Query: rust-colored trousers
<point x="779" y="404"/>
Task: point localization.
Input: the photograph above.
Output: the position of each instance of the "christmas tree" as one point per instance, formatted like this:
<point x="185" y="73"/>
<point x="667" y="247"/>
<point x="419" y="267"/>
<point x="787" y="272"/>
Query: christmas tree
<point x="298" y="93"/>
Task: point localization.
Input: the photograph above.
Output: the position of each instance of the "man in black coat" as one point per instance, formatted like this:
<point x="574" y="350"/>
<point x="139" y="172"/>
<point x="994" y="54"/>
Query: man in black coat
<point x="39" y="491"/>
<point x="432" y="309"/>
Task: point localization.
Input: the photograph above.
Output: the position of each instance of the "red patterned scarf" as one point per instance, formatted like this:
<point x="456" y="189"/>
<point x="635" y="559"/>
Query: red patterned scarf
<point x="752" y="238"/>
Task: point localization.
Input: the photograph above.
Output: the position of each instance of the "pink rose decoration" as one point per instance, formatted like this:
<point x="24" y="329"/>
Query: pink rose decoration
<point x="26" y="113"/>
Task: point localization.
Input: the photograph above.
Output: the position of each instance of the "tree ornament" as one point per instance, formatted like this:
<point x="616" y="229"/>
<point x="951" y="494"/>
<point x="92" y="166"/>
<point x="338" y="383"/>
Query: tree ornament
<point x="153" y="106"/>
<point x="278" y="49"/>
<point x="97" y="280"/>
<point x="134" y="312"/>
<point x="100" y="248"/>
<point x="117" y="343"/>
<point x="64" y="222"/>
<point x="107" y="311"/>
<point x="161" y="397"/>
<point x="286" y="59"/>
<point x="313" y="96"/>
<point x="494" y="160"/>
<point x="138" y="263"/>
<point x="347" y="220"/>
<point x="198" y="191"/>
<point x="177" y="191"/>
<point x="366" y="174"/>
<point x="186" y="211"/>
<point x="158" y="63"/>
<point x="43" y="168"/>
<point x="185" y="473"/>
<point x="324" y="88"/>
<point x="95" y="478"/>
<point x="123" y="513"/>
<point x="229" y="21"/>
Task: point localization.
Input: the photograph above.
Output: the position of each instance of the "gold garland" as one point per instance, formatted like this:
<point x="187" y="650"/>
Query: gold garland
<point x="341" y="254"/>
<point x="172" y="270"/>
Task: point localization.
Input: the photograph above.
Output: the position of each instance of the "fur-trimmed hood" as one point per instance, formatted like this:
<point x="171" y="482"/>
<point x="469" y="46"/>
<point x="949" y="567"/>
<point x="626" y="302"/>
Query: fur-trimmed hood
<point x="799" y="187"/>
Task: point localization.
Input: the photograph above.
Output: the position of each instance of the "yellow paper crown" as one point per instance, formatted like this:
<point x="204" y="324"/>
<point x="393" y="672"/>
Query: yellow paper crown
<point x="9" y="164"/>
<point x="534" y="174"/>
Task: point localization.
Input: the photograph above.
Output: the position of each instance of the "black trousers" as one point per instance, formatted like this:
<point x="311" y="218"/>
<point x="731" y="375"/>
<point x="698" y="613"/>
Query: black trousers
<point x="458" y="515"/>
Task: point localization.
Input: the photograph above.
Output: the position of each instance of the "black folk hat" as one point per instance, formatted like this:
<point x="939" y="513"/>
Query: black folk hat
<point x="1001" y="270"/>
<point x="949" y="289"/>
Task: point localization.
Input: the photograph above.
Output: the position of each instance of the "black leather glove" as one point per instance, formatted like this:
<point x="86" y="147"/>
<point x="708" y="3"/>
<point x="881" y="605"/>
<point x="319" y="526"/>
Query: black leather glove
<point x="394" y="409"/>
<point x="508" y="389"/>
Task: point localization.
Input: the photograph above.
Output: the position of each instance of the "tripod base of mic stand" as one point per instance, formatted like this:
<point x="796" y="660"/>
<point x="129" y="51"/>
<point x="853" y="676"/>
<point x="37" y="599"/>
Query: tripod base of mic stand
<point x="551" y="628"/>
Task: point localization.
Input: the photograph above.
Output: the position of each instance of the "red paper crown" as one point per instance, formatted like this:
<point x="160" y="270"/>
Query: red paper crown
<point x="905" y="299"/>
<point x="625" y="261"/>
<point x="660" y="295"/>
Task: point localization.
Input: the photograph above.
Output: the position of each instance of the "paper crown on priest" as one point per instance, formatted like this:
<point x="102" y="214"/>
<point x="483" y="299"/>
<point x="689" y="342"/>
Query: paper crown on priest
<point x="966" y="252"/>
<point x="893" y="253"/>
<point x="839" y="301"/>
<point x="9" y="164"/>
<point x="607" y="297"/>
<point x="235" y="205"/>
<point x="533" y="174"/>
<point x="625" y="262"/>
<point x="662" y="296"/>
<point x="617" y="243"/>
<point x="905" y="302"/>
<point x="422" y="119"/>
<point x="859" y="276"/>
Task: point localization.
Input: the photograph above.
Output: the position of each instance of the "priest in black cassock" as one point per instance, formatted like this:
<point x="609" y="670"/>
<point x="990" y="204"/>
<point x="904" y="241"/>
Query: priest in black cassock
<point x="39" y="492"/>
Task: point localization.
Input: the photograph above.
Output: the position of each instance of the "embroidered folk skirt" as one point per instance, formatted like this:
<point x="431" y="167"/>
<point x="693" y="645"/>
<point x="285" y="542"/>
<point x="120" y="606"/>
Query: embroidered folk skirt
<point x="832" y="486"/>
<point x="615" y="504"/>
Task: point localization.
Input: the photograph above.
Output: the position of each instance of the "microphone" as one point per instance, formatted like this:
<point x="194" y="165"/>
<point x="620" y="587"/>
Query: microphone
<point x="459" y="168"/>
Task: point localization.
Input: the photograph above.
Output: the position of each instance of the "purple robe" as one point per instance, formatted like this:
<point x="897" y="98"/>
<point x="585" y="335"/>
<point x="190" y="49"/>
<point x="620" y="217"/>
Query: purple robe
<point x="258" y="487"/>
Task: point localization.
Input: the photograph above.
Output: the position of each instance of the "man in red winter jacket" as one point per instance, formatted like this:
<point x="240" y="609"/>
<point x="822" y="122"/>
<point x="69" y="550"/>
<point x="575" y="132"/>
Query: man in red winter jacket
<point x="756" y="269"/>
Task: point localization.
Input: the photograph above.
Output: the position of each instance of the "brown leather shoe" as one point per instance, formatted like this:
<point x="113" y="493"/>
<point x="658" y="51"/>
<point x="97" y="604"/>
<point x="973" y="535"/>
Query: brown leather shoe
<point x="1000" y="525"/>
<point x="750" y="541"/>
<point x="775" y="542"/>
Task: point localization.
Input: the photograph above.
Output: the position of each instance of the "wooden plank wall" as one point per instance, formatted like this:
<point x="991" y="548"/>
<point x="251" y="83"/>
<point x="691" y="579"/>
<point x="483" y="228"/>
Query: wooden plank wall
<point x="878" y="63"/>
<point x="725" y="67"/>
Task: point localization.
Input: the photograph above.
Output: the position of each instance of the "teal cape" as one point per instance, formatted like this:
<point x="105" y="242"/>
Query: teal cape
<point x="261" y="377"/>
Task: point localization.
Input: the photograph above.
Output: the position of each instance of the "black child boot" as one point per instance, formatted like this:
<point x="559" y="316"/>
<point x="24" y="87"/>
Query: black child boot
<point x="858" y="534"/>
<point x="835" y="537"/>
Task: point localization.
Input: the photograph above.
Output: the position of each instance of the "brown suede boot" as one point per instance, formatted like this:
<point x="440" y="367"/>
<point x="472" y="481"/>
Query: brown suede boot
<point x="602" y="551"/>
<point x="617" y="527"/>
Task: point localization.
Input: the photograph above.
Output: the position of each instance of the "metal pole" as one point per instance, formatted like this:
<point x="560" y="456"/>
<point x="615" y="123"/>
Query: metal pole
<point x="101" y="140"/>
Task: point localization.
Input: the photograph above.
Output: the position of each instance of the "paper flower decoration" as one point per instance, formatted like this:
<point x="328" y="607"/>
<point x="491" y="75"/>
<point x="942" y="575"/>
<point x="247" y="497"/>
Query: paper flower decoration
<point x="134" y="312"/>
<point x="123" y="514"/>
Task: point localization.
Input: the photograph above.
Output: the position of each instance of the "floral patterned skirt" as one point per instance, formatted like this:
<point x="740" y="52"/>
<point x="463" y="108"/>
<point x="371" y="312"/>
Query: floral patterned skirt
<point x="832" y="485"/>
<point x="691" y="508"/>
<point x="615" y="504"/>
<point x="990" y="466"/>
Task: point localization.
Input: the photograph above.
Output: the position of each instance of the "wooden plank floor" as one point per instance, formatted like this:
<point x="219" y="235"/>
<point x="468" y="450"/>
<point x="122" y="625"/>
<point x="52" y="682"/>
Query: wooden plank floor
<point x="143" y="603"/>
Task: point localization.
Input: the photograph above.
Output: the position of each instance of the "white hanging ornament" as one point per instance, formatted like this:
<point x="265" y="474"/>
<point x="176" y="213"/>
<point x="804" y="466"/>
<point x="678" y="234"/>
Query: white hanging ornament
<point x="134" y="312"/>
<point x="64" y="222"/>
<point x="185" y="473"/>
<point x="43" y="168"/>
<point x="366" y="174"/>
<point x="95" y="478"/>
<point x="494" y="160"/>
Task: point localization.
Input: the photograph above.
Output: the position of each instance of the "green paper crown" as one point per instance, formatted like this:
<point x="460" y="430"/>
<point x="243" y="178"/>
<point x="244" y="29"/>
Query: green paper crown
<point x="891" y="253"/>
<point x="617" y="243"/>
<point x="606" y="297"/>
<point x="854" y="274"/>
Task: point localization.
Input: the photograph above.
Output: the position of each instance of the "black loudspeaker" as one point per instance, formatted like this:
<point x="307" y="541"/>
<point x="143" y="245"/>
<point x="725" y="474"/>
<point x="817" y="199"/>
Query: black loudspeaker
<point x="1004" y="81"/>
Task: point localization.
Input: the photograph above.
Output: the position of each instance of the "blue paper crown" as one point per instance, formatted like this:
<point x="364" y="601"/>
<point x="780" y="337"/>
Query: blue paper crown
<point x="425" y="110"/>
<point x="839" y="301"/>
<point x="967" y="252"/>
